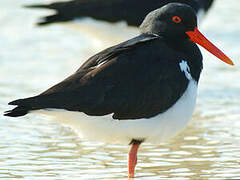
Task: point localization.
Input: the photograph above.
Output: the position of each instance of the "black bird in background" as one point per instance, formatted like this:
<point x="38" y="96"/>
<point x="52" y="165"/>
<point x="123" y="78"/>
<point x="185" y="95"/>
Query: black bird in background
<point x="141" y="90"/>
<point x="131" y="11"/>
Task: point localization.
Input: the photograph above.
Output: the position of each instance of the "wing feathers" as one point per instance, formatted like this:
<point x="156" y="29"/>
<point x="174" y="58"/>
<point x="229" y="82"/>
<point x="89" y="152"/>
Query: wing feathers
<point x="131" y="84"/>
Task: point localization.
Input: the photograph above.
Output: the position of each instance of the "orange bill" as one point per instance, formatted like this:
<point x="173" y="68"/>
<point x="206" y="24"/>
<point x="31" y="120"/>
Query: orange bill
<point x="197" y="37"/>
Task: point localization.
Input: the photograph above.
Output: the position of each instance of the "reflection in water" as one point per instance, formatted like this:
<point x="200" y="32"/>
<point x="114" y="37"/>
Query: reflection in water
<point x="33" y="59"/>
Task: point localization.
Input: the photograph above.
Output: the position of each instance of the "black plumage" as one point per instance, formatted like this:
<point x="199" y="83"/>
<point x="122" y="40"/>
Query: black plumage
<point x="139" y="78"/>
<point x="131" y="11"/>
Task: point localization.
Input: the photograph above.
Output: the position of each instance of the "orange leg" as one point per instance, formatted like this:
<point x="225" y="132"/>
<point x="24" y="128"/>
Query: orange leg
<point x="132" y="159"/>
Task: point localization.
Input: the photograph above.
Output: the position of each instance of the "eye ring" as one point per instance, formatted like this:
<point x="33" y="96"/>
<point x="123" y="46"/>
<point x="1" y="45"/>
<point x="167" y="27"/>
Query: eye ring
<point x="176" y="19"/>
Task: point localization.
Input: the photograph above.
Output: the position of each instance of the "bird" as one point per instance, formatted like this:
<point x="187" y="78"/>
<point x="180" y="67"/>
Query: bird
<point x="131" y="11"/>
<point x="141" y="90"/>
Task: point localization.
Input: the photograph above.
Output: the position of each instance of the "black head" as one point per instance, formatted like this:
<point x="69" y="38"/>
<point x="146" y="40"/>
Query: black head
<point x="178" y="22"/>
<point x="172" y="20"/>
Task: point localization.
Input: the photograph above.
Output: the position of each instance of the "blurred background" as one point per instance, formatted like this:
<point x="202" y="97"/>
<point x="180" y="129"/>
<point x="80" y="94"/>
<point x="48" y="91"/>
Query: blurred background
<point x="34" y="58"/>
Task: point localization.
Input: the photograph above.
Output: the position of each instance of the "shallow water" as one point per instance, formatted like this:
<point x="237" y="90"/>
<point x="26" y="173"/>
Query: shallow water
<point x="33" y="58"/>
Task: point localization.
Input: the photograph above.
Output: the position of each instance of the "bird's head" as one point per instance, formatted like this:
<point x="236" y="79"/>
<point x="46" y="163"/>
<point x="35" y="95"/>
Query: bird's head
<point x="179" y="21"/>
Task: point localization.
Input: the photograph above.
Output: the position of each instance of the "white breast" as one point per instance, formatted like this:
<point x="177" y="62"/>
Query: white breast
<point x="153" y="130"/>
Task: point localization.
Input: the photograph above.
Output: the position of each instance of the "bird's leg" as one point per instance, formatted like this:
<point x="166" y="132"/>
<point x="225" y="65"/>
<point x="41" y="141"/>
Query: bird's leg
<point x="132" y="158"/>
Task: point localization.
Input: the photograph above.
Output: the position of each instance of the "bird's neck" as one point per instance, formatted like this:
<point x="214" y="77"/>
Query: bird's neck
<point x="189" y="52"/>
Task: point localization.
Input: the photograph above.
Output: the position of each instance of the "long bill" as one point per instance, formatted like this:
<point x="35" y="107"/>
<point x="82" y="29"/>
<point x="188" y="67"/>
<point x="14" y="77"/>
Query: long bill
<point x="197" y="37"/>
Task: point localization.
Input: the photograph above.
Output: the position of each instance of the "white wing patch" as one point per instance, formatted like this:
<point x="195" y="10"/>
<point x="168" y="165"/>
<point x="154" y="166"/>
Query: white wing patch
<point x="185" y="68"/>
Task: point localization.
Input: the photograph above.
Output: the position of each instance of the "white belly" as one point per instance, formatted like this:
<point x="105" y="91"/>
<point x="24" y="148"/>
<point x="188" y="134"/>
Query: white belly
<point x="153" y="130"/>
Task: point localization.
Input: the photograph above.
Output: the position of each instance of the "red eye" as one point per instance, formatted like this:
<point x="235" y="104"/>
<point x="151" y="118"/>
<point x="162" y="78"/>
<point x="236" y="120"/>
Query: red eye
<point x="176" y="19"/>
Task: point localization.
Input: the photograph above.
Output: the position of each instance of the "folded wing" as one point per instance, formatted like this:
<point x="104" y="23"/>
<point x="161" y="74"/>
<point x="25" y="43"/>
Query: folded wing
<point x="107" y="83"/>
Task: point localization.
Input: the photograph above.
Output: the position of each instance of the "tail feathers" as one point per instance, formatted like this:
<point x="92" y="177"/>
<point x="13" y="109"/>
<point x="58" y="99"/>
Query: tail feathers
<point x="45" y="6"/>
<point x="23" y="107"/>
<point x="17" y="111"/>
<point x="67" y="11"/>
<point x="32" y="103"/>
<point x="53" y="19"/>
<point x="48" y="19"/>
<point x="59" y="16"/>
<point x="16" y="102"/>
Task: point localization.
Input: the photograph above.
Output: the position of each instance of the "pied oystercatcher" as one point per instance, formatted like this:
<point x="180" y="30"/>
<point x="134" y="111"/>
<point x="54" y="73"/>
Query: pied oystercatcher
<point x="131" y="11"/>
<point x="142" y="90"/>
